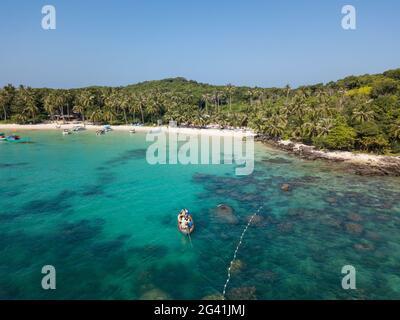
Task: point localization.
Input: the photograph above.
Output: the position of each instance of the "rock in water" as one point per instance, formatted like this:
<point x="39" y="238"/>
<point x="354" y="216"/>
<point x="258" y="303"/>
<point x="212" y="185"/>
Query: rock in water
<point x="226" y="214"/>
<point x="155" y="294"/>
<point x="354" y="228"/>
<point x="216" y="296"/>
<point x="354" y="217"/>
<point x="236" y="266"/>
<point x="242" y="293"/>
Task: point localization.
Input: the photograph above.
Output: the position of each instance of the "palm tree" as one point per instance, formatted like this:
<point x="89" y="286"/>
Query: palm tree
<point x="96" y="115"/>
<point x="206" y="98"/>
<point x="124" y="104"/>
<point x="7" y="95"/>
<point x="229" y="91"/>
<point x="324" y="127"/>
<point x="274" y="129"/>
<point x="50" y="105"/>
<point x="85" y="101"/>
<point x="362" y="116"/>
<point x="28" y="101"/>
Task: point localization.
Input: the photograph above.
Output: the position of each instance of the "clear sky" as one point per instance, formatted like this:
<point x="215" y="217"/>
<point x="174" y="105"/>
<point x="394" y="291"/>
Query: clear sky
<point x="244" y="42"/>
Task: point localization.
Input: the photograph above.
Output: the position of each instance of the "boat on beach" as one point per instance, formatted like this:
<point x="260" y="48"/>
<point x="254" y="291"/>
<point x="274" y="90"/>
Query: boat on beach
<point x="78" y="128"/>
<point x="185" y="222"/>
<point x="107" y="128"/>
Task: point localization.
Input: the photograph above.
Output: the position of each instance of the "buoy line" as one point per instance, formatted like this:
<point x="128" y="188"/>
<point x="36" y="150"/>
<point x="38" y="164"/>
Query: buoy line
<point x="237" y="249"/>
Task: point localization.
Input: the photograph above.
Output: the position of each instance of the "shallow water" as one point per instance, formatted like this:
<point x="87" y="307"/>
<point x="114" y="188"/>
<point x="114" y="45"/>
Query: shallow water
<point x="92" y="207"/>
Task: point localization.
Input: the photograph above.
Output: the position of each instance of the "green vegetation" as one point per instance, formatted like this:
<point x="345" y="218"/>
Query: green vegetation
<point x="355" y="113"/>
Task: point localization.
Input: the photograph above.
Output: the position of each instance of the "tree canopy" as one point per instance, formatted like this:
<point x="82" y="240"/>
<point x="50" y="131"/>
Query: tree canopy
<point x="355" y="113"/>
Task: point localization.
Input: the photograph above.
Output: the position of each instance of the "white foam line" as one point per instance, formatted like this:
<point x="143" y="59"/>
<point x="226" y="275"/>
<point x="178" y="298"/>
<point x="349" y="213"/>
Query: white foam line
<point x="237" y="249"/>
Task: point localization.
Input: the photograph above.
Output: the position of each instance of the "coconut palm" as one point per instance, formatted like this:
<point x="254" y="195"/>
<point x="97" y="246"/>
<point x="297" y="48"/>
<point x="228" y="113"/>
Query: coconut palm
<point x="50" y="105"/>
<point x="362" y="115"/>
<point x="230" y="89"/>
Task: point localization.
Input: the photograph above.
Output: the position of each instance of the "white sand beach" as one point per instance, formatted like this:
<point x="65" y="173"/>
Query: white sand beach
<point x="184" y="130"/>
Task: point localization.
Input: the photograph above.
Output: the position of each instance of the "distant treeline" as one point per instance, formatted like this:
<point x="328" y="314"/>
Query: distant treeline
<point x="355" y="113"/>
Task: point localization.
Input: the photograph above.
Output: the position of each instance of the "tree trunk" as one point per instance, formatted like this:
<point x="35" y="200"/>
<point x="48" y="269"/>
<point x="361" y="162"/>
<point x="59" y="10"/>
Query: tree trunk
<point x="5" y="113"/>
<point x="141" y="111"/>
<point x="126" y="120"/>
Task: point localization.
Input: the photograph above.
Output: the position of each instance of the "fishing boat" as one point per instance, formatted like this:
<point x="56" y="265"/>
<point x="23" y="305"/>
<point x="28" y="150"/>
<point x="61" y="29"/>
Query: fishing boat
<point x="185" y="222"/>
<point x="16" y="139"/>
<point x="107" y="128"/>
<point x="78" y="128"/>
<point x="66" y="132"/>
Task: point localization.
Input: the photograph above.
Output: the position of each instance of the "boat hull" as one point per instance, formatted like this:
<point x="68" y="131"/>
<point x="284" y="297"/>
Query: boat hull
<point x="186" y="231"/>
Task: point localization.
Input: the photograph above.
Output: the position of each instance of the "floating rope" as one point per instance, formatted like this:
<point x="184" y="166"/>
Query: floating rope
<point x="237" y="249"/>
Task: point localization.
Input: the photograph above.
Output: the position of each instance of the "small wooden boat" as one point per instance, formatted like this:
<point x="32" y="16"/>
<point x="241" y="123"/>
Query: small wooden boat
<point x="78" y="128"/>
<point x="16" y="139"/>
<point x="107" y="128"/>
<point x="187" y="226"/>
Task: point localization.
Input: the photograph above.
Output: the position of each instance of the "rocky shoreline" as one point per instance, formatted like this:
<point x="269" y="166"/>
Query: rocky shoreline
<point x="360" y="164"/>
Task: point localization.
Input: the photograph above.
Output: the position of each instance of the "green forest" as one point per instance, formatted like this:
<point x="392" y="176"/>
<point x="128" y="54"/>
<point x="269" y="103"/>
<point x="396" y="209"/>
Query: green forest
<point x="356" y="113"/>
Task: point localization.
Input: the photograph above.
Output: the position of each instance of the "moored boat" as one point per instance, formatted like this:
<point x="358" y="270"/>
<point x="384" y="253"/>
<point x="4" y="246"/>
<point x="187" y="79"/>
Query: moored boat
<point x="66" y="132"/>
<point x="185" y="222"/>
<point x="100" y="132"/>
<point x="16" y="139"/>
<point x="2" y="136"/>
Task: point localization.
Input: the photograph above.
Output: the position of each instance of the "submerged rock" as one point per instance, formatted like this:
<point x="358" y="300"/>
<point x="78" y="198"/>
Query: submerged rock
<point x="364" y="247"/>
<point x="285" y="227"/>
<point x="226" y="214"/>
<point x="216" y="296"/>
<point x="242" y="293"/>
<point x="354" y="217"/>
<point x="237" y="265"/>
<point x="155" y="294"/>
<point x="258" y="221"/>
<point x="354" y="228"/>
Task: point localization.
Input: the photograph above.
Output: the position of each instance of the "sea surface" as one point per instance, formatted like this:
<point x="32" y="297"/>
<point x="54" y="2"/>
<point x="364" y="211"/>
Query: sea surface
<point x="92" y="207"/>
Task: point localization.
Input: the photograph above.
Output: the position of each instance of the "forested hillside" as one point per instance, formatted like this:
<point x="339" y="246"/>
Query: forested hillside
<point x="355" y="113"/>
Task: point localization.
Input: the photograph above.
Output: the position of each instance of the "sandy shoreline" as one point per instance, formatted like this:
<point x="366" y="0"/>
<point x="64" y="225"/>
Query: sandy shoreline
<point x="188" y="131"/>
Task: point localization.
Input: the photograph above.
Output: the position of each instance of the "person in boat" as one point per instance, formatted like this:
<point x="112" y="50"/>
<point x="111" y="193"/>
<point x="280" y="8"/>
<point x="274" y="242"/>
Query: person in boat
<point x="184" y="224"/>
<point x="181" y="214"/>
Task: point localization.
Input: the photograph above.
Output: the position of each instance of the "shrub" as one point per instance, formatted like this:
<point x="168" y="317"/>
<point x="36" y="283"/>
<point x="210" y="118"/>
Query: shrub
<point x="341" y="137"/>
<point x="375" y="144"/>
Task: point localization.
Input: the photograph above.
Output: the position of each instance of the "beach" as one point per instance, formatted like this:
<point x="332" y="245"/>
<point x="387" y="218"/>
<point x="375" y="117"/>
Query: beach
<point x="92" y="127"/>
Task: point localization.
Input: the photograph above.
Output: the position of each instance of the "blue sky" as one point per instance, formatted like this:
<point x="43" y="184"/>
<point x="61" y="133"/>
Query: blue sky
<point x="244" y="42"/>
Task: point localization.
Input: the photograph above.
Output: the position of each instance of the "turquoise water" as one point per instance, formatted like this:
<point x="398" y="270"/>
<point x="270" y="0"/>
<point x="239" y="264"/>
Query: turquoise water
<point x="106" y="220"/>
